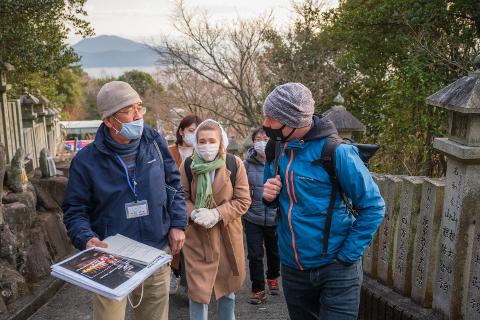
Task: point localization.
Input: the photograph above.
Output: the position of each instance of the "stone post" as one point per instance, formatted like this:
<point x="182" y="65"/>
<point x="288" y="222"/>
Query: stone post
<point x="29" y="117"/>
<point x="387" y="230"/>
<point x="50" y="121"/>
<point x="2" y="173"/>
<point x="370" y="257"/>
<point x="406" y="228"/>
<point x="456" y="289"/>
<point x="425" y="255"/>
<point x="4" y="87"/>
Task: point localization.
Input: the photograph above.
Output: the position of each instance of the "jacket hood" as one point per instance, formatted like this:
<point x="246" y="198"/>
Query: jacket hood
<point x="321" y="128"/>
<point x="224" y="136"/>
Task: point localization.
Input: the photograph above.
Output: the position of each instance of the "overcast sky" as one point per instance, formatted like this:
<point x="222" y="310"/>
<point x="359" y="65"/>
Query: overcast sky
<point x="147" y="19"/>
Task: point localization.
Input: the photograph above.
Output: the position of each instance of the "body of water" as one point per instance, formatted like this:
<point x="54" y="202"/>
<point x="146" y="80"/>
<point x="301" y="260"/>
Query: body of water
<point x="107" y="72"/>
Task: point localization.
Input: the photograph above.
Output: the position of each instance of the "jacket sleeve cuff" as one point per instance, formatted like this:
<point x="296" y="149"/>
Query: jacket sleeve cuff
<point x="179" y="223"/>
<point x="181" y="227"/>
<point x="81" y="240"/>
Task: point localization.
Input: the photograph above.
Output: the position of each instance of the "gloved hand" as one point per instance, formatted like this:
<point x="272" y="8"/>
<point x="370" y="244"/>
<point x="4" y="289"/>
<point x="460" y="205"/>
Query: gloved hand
<point x="207" y="218"/>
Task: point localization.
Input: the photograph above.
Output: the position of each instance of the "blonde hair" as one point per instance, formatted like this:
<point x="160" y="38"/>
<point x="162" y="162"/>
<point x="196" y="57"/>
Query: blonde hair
<point x="208" y="125"/>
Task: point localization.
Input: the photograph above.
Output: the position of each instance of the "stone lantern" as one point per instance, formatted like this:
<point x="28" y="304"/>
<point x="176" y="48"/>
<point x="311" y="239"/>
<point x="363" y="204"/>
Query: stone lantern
<point x="41" y="131"/>
<point x="41" y="106"/>
<point x="27" y="101"/>
<point x="4" y="68"/>
<point x="456" y="293"/>
<point x="345" y="122"/>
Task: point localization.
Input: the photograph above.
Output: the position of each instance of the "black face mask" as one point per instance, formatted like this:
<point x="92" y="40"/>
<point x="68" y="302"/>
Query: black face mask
<point x="276" y="134"/>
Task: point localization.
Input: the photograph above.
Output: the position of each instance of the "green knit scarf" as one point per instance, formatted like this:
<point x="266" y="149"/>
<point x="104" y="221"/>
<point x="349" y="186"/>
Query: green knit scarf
<point x="204" y="196"/>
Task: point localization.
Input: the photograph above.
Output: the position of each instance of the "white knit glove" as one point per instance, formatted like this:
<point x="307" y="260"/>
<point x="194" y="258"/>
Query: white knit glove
<point x="207" y="218"/>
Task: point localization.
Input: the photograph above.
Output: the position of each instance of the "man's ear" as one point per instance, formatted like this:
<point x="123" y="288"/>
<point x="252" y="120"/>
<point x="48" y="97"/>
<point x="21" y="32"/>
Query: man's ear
<point x="108" y="122"/>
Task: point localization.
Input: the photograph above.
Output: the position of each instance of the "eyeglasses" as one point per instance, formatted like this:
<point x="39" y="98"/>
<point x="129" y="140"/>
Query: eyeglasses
<point x="131" y="112"/>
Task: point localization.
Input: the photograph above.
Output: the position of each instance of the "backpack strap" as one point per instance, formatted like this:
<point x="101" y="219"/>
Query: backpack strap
<point x="230" y="161"/>
<point x="328" y="161"/>
<point x="188" y="170"/>
<point x="232" y="167"/>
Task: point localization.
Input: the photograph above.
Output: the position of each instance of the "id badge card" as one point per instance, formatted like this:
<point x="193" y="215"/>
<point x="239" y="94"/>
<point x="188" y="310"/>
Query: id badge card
<point x="136" y="209"/>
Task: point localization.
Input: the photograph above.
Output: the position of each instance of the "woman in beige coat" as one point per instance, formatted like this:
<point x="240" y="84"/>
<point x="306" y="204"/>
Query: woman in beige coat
<point x="213" y="250"/>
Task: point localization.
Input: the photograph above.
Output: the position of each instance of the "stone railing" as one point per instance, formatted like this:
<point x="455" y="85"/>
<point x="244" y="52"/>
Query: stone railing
<point x="404" y="253"/>
<point x="428" y="246"/>
<point x="29" y="122"/>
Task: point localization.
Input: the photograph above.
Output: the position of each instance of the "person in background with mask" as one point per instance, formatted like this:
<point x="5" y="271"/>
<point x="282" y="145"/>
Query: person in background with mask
<point x="213" y="251"/>
<point x="180" y="150"/>
<point x="260" y="225"/>
<point x="183" y="146"/>
<point x="117" y="185"/>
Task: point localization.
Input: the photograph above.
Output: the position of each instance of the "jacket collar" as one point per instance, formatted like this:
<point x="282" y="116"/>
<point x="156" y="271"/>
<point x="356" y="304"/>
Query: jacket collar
<point x="148" y="136"/>
<point x="321" y="128"/>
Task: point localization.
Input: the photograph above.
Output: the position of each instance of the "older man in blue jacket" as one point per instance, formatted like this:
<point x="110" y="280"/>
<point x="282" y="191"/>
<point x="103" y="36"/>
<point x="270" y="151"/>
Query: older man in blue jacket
<point x="319" y="282"/>
<point x="118" y="184"/>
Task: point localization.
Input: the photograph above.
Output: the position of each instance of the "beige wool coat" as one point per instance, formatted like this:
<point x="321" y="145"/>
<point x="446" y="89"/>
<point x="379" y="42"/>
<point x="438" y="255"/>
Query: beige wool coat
<point x="214" y="258"/>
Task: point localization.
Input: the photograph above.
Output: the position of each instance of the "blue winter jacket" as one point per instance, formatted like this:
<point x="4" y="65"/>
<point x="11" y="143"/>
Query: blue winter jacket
<point x="97" y="191"/>
<point x="305" y="197"/>
<point x="258" y="213"/>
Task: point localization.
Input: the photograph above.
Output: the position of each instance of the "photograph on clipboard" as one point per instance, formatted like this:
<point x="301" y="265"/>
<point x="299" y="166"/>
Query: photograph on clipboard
<point x="112" y="272"/>
<point x="104" y="268"/>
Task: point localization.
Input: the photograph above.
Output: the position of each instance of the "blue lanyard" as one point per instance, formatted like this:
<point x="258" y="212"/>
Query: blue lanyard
<point x="133" y="186"/>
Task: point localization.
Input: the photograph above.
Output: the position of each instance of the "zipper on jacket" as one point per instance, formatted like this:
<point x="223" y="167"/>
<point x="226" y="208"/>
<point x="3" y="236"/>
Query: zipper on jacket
<point x="293" y="186"/>
<point x="285" y="145"/>
<point x="289" y="215"/>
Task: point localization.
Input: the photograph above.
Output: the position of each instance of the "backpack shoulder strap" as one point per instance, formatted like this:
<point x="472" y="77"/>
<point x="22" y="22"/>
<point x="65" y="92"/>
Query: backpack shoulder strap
<point x="232" y="167"/>
<point x="327" y="159"/>
<point x="188" y="170"/>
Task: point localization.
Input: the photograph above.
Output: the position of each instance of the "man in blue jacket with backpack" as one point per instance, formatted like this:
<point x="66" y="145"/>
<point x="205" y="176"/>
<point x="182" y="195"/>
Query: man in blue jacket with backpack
<point x="126" y="182"/>
<point x="329" y="207"/>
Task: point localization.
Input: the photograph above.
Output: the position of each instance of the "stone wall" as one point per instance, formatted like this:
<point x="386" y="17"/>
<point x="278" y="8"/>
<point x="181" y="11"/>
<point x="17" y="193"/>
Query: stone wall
<point x="422" y="247"/>
<point x="32" y="235"/>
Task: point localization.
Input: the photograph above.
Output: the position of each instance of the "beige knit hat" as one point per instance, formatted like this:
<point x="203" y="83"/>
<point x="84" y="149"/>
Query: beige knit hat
<point x="114" y="96"/>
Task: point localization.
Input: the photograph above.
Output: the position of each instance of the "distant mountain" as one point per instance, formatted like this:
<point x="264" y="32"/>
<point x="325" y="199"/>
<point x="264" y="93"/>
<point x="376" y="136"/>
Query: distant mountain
<point x="113" y="51"/>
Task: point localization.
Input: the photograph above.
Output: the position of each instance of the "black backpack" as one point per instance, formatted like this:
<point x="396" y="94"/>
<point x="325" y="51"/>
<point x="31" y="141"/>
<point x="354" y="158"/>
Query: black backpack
<point x="327" y="160"/>
<point x="230" y="161"/>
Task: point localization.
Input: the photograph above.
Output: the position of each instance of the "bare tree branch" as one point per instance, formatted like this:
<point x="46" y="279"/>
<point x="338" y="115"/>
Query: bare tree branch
<point x="225" y="56"/>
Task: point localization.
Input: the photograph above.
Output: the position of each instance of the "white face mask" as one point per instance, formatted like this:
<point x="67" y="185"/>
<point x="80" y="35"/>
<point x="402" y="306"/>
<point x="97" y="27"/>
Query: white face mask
<point x="208" y="151"/>
<point x="189" y="139"/>
<point x="259" y="146"/>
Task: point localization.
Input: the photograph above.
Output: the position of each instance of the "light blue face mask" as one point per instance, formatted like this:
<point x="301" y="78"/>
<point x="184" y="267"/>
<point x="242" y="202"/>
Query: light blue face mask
<point x="131" y="130"/>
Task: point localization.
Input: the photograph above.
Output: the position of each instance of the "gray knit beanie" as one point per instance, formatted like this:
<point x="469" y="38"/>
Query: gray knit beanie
<point x="290" y="104"/>
<point x="114" y="96"/>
